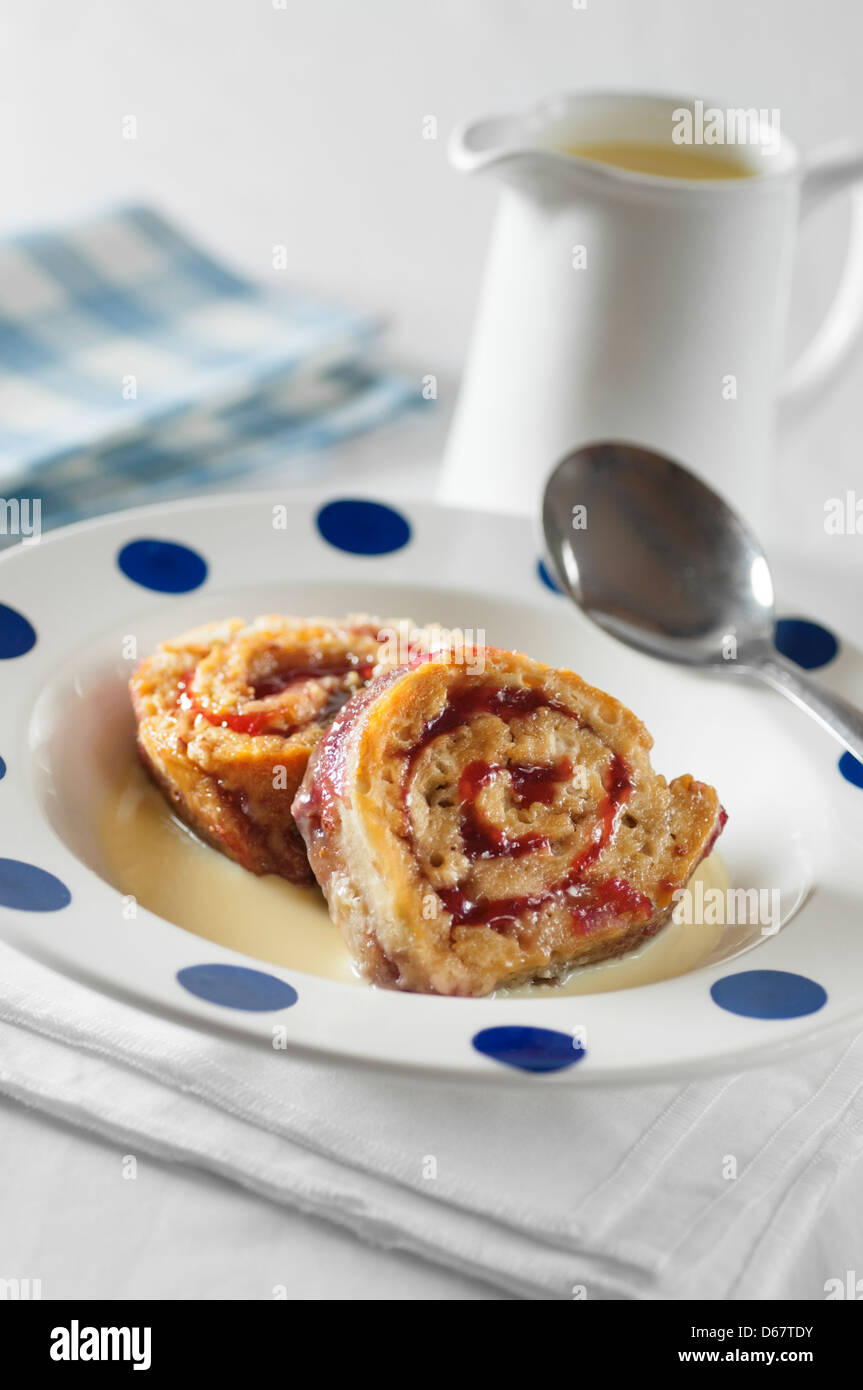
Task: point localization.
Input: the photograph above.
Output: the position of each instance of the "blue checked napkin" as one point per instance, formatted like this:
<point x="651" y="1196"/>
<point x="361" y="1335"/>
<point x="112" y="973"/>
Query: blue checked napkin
<point x="133" y="367"/>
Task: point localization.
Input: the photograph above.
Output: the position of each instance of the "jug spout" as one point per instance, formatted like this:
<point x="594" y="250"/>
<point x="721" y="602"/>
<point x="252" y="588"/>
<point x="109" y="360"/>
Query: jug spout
<point x="487" y="144"/>
<point x="511" y="143"/>
<point x="535" y="152"/>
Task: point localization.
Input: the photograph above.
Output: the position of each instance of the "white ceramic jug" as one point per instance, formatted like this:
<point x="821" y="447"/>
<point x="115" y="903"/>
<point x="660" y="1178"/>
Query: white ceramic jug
<point x="628" y="306"/>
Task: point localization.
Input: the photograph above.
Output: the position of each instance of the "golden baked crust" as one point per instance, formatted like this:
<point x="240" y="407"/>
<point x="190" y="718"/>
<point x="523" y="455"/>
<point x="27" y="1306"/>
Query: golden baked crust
<point x="476" y="829"/>
<point x="228" y="715"/>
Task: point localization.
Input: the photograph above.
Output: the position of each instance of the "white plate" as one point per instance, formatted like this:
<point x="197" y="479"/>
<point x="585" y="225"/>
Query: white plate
<point x="794" y="823"/>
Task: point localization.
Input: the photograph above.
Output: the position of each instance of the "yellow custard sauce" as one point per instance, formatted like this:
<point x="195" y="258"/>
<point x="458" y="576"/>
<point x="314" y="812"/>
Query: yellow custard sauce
<point x="151" y="856"/>
<point x="663" y="161"/>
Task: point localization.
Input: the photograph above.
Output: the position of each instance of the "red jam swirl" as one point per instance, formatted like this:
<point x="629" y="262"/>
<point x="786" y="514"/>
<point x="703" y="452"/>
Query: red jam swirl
<point x="590" y="904"/>
<point x="529" y="783"/>
<point x="481" y="840"/>
<point x="618" y="788"/>
<point x="507" y="702"/>
<point x="285" y="677"/>
<point x="255" y="723"/>
<point x="261" y="721"/>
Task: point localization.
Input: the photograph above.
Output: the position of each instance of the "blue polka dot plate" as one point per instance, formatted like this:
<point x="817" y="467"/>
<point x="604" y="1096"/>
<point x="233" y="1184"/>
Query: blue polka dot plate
<point x="78" y="609"/>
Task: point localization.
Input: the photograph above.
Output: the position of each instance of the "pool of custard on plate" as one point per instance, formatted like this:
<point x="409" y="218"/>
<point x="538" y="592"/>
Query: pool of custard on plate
<point x="151" y="856"/>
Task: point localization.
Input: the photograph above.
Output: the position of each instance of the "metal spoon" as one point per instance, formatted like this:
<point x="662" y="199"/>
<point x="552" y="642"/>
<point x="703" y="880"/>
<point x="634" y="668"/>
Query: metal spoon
<point x="657" y="559"/>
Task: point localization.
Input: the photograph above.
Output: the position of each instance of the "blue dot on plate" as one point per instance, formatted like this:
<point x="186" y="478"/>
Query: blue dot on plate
<point x="165" y="566"/>
<point x="529" y="1049"/>
<point x="363" y="528"/>
<point x="31" y="889"/>
<point x="2" y="769"/>
<point x="768" y="994"/>
<point x="547" y="577"/>
<point x="17" y="636"/>
<point x="809" y="644"/>
<point x="851" y="769"/>
<point x="237" y="987"/>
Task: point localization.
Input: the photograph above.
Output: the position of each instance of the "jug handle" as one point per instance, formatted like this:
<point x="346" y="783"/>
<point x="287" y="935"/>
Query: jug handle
<point x="826" y="174"/>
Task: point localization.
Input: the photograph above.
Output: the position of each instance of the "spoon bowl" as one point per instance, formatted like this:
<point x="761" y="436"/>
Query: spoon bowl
<point x="657" y="559"/>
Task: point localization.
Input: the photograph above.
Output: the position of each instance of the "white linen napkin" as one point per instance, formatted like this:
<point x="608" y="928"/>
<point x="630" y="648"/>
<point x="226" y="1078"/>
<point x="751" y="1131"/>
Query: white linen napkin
<point x="544" y="1191"/>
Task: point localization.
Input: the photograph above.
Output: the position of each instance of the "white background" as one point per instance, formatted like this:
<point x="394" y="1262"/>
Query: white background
<point x="302" y="126"/>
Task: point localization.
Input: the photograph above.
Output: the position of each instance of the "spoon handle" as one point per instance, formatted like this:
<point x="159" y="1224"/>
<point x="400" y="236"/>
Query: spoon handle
<point x="841" y="719"/>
